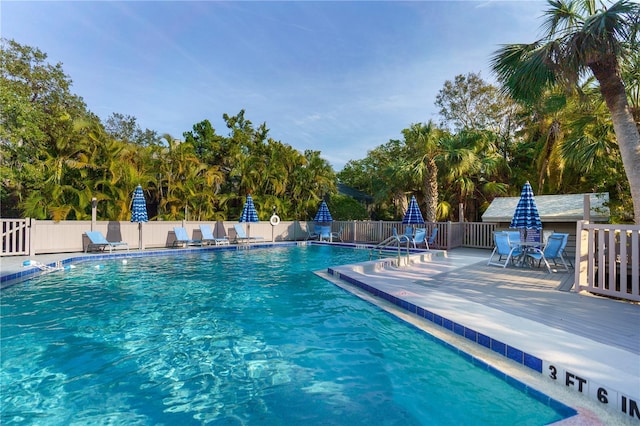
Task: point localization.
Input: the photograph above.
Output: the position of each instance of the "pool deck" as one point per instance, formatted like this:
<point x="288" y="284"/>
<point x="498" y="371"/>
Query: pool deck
<point x="590" y="344"/>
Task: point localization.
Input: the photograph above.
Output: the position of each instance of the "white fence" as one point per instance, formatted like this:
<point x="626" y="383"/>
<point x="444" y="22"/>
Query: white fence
<point x="608" y="260"/>
<point x="15" y="236"/>
<point x="30" y="236"/>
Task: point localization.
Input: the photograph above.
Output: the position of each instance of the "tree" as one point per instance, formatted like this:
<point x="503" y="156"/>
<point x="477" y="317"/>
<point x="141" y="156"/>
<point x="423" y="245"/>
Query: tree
<point x="424" y="141"/>
<point x="469" y="164"/>
<point x="581" y="37"/>
<point x="37" y="110"/>
<point x="125" y="129"/>
<point x="470" y="103"/>
<point x="205" y="141"/>
<point x="343" y="207"/>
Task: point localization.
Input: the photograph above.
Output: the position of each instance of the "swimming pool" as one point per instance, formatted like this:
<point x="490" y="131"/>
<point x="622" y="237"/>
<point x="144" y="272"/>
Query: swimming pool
<point x="233" y="337"/>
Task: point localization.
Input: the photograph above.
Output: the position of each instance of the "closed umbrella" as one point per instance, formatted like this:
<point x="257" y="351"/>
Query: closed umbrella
<point x="526" y="215"/>
<point x="413" y="216"/>
<point x="323" y="215"/>
<point x="249" y="214"/>
<point x="139" y="212"/>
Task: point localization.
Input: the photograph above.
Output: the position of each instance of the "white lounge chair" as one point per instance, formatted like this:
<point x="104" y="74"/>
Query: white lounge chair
<point x="97" y="241"/>
<point x="208" y="238"/>
<point x="183" y="238"/>
<point x="241" y="236"/>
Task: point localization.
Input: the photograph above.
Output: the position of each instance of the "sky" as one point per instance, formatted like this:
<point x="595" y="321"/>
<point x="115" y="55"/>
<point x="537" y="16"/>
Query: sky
<point x="339" y="77"/>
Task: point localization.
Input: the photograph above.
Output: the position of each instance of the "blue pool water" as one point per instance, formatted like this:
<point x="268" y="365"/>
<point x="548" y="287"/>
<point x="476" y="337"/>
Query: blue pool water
<point x="231" y="338"/>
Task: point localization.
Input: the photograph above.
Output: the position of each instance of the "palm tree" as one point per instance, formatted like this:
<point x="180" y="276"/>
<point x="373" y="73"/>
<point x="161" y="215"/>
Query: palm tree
<point x="469" y="162"/>
<point x="580" y="37"/>
<point x="424" y="140"/>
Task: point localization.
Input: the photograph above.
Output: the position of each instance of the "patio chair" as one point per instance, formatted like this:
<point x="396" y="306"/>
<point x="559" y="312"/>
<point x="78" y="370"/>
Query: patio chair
<point x="534" y="236"/>
<point x="407" y="236"/>
<point x="504" y="247"/>
<point x="208" y="238"/>
<point x="182" y="238"/>
<point x="97" y="241"/>
<point x="514" y="236"/>
<point x="241" y="236"/>
<point x="324" y="232"/>
<point x="312" y="235"/>
<point x="419" y="238"/>
<point x="552" y="251"/>
<point x="337" y="235"/>
<point x="432" y="239"/>
<point x="563" y="252"/>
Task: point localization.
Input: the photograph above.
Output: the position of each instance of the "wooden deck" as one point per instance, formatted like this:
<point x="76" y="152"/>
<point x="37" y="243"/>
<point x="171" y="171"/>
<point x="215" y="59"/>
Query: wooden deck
<point x="537" y="295"/>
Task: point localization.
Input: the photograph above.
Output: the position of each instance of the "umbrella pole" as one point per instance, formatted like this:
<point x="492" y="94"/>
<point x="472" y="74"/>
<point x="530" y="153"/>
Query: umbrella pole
<point x="139" y="235"/>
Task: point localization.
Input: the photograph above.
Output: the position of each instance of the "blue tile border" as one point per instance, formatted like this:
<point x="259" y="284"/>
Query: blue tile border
<point x="503" y="349"/>
<point x="497" y="346"/>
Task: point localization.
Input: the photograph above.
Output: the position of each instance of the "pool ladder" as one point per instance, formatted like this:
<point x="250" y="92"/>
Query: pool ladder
<point x="391" y="242"/>
<point x="42" y="266"/>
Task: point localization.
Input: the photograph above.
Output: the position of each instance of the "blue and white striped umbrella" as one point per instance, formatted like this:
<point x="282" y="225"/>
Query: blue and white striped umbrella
<point x="249" y="213"/>
<point x="139" y="212"/>
<point x="139" y="206"/>
<point x="323" y="215"/>
<point x="526" y="215"/>
<point x="413" y="216"/>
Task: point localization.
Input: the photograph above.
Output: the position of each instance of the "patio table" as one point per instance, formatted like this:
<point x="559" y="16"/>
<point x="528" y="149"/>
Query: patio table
<point x="527" y="247"/>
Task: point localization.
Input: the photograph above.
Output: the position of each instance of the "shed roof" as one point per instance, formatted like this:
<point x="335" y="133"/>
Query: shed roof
<point x="552" y="208"/>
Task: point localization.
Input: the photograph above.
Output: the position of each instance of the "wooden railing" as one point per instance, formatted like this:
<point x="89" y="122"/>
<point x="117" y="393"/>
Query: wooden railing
<point x="608" y="260"/>
<point x="450" y="234"/>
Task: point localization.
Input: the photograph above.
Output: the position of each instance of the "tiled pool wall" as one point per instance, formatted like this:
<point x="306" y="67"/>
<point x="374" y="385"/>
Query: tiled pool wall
<point x="476" y="337"/>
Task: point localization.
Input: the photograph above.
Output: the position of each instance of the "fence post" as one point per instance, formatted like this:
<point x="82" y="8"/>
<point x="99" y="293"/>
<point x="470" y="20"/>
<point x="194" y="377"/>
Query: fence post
<point x="31" y="234"/>
<point x="355" y="237"/>
<point x="94" y="213"/>
<point x="582" y="252"/>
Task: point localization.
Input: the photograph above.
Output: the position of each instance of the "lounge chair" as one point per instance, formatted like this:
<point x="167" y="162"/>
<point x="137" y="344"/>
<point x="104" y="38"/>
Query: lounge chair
<point x="208" y="238"/>
<point x="97" y="241"/>
<point x="241" y="236"/>
<point x="552" y="251"/>
<point x="504" y="247"/>
<point x="183" y="238"/>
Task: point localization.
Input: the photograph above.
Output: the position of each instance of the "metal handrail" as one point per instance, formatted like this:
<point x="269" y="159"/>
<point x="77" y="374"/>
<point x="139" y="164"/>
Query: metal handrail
<point x="394" y="240"/>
